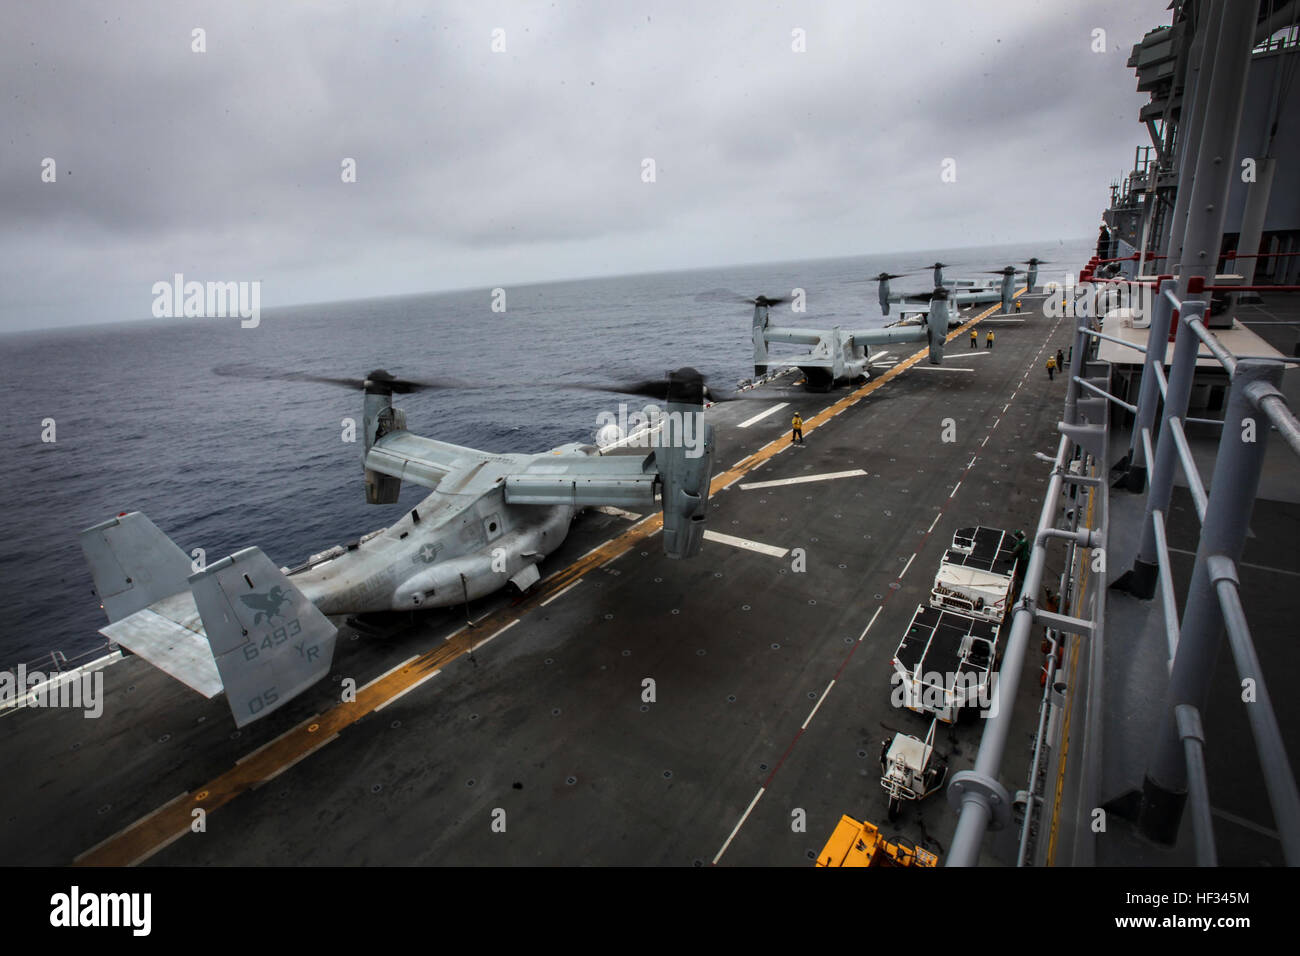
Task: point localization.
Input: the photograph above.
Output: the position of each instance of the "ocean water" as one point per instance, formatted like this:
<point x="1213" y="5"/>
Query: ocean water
<point x="144" y="422"/>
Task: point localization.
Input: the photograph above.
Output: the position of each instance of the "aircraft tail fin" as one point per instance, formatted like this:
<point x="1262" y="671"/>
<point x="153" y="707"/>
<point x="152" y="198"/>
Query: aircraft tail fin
<point x="133" y="564"/>
<point x="270" y="643"/>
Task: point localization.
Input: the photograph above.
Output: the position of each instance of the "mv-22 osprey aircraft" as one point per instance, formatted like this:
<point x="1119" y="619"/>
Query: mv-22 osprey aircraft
<point x="840" y="355"/>
<point x="960" y="291"/>
<point x="261" y="633"/>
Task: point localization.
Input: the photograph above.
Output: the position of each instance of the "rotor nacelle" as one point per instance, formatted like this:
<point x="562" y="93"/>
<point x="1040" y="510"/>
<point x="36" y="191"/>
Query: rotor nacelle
<point x="760" y="340"/>
<point x="882" y="289"/>
<point x="1031" y="279"/>
<point x="1008" y="285"/>
<point x="684" y="457"/>
<point x="936" y="324"/>
<point x="378" y="418"/>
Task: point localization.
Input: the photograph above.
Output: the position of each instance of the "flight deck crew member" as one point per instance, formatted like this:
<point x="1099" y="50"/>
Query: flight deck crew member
<point x="1020" y="547"/>
<point x="974" y="339"/>
<point x="797" y="424"/>
<point x="1017" y="305"/>
<point x="1051" y="366"/>
<point x="1060" y="359"/>
<point x="988" y="339"/>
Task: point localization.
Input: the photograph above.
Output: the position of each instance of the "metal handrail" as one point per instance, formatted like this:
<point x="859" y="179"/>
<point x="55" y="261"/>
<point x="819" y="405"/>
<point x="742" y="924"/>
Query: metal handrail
<point x="1226" y="358"/>
<point x="1193" y="737"/>
<point x="1250" y="389"/>
<point x="1106" y="395"/>
<point x="1046" y="706"/>
<point x="977" y="808"/>
<point x="1278" y="778"/>
<point x="1168" y="598"/>
<point x="1161" y="381"/>
<point x="1118" y="341"/>
<point x="1274" y="406"/>
<point x="61" y="662"/>
<point x="978" y="797"/>
<point x="1194" y="483"/>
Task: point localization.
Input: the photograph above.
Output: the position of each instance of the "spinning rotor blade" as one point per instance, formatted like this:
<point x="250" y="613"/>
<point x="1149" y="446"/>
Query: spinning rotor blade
<point x="727" y="296"/>
<point x="378" y="379"/>
<point x="883" y="277"/>
<point x="658" y="389"/>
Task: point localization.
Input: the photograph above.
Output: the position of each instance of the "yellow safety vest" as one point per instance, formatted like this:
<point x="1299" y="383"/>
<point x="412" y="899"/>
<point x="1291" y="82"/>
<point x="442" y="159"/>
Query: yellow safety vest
<point x="797" y="422"/>
<point x="989" y="336"/>
<point x="1051" y="362"/>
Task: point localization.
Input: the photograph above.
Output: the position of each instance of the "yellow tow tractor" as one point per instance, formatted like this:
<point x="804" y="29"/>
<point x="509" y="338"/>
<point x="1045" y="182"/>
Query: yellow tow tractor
<point x="862" y="844"/>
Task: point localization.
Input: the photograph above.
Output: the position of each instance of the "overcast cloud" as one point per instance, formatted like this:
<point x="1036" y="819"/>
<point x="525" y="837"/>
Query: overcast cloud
<point x="477" y="168"/>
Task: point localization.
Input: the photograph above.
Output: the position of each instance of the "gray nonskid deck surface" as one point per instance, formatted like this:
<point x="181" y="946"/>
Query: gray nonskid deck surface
<point x="546" y="729"/>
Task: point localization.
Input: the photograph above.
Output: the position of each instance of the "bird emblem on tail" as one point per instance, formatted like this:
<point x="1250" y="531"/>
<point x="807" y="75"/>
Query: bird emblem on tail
<point x="267" y="604"/>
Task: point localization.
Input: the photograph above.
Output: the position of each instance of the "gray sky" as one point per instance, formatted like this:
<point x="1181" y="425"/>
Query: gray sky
<point x="477" y="168"/>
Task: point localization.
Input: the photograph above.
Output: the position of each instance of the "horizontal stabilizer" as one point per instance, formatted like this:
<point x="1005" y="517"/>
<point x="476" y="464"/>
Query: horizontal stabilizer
<point x="269" y="641"/>
<point x="169" y="635"/>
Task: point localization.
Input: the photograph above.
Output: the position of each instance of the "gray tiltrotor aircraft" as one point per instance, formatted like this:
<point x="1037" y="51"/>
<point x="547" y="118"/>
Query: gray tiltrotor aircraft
<point x="961" y="292"/>
<point x="1006" y="291"/>
<point x="840" y="355"/>
<point x="845" y="354"/>
<point x="261" y="633"/>
<point x="882" y="281"/>
<point x="1031" y="279"/>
